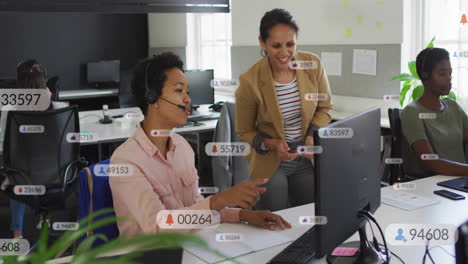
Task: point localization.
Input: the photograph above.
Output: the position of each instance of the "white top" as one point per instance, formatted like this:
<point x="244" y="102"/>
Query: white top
<point x="289" y="101"/>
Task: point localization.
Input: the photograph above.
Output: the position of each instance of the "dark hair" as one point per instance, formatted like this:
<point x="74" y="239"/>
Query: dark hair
<point x="275" y="17"/>
<point x="149" y="77"/>
<point x="31" y="74"/>
<point x="427" y="59"/>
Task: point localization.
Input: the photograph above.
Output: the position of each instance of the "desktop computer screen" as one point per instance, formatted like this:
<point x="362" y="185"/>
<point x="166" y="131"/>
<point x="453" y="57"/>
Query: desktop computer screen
<point x="104" y="73"/>
<point x="200" y="90"/>
<point x="348" y="176"/>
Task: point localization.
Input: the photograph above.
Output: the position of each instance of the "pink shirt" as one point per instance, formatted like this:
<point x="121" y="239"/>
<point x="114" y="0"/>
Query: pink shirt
<point x="157" y="184"/>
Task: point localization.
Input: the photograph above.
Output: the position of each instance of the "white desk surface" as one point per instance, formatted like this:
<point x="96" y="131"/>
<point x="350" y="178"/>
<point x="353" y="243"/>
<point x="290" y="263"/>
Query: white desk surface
<point x="89" y="121"/>
<point x="446" y="212"/>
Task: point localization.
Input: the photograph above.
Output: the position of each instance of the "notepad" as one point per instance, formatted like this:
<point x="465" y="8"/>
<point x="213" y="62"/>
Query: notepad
<point x="252" y="239"/>
<point x="405" y="200"/>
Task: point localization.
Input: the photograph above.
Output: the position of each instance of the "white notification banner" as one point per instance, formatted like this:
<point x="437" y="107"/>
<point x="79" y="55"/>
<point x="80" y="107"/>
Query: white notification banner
<point x="389" y="97"/>
<point x="113" y="170"/>
<point x="303" y="65"/>
<point x="404" y="186"/>
<point x="64" y="226"/>
<point x="393" y="161"/>
<point x="427" y="115"/>
<point x="420" y="234"/>
<point x="336" y="132"/>
<point x="29" y="190"/>
<point x="31" y="129"/>
<point x="316" y="97"/>
<point x="160" y="133"/>
<point x="227" y="149"/>
<point x="24" y="99"/>
<point x="134" y="116"/>
<point x="227" y="84"/>
<point x="82" y="137"/>
<point x="14" y="247"/>
<point x="187" y="219"/>
<point x="313" y="220"/>
<point x="309" y="150"/>
<point x="429" y="156"/>
<point x="228" y="237"/>
<point x="208" y="190"/>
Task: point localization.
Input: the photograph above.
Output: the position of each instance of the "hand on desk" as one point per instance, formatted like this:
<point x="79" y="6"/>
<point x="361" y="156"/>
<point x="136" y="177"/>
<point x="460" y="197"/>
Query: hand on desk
<point x="265" y="219"/>
<point x="244" y="195"/>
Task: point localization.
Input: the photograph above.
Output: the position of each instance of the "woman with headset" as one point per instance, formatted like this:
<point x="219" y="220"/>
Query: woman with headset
<point x="436" y="128"/>
<point x="164" y="175"/>
<point x="281" y="100"/>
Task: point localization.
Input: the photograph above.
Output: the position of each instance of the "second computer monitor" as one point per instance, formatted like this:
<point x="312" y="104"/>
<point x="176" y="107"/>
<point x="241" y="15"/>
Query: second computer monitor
<point x="201" y="91"/>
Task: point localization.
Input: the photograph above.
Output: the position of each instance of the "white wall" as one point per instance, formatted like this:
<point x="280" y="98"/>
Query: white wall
<point x="167" y="30"/>
<point x="323" y="21"/>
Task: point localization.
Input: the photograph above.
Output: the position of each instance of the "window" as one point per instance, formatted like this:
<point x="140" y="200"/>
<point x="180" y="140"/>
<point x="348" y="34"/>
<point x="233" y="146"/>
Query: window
<point x="209" y="41"/>
<point x="446" y="20"/>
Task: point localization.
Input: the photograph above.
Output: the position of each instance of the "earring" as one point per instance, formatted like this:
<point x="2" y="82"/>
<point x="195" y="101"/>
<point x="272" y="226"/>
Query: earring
<point x="156" y="105"/>
<point x="263" y="53"/>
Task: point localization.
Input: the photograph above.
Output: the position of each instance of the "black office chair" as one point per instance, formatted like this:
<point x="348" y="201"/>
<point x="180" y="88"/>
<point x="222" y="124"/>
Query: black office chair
<point x="41" y="158"/>
<point x="399" y="147"/>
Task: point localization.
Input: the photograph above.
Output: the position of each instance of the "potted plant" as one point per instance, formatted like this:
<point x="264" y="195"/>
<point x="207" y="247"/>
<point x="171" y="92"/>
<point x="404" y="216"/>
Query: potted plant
<point x="412" y="85"/>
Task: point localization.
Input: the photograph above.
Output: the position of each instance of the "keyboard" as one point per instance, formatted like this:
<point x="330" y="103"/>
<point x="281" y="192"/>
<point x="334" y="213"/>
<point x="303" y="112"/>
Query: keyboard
<point x="300" y="251"/>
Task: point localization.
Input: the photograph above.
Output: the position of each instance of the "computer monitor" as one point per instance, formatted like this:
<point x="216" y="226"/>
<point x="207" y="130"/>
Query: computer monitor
<point x="104" y="74"/>
<point x="348" y="181"/>
<point x="201" y="91"/>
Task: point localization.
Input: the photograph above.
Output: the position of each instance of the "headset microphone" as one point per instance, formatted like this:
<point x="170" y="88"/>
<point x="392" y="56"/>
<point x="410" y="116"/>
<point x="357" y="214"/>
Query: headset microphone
<point x="178" y="105"/>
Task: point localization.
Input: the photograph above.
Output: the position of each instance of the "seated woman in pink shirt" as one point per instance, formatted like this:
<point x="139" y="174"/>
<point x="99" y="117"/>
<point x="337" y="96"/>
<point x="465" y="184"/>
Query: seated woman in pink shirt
<point x="164" y="175"/>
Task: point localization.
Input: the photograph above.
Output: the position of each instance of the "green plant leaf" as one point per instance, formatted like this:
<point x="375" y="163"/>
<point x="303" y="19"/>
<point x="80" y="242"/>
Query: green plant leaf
<point x="404" y="91"/>
<point x="431" y="43"/>
<point x="86" y="244"/>
<point x="452" y="95"/>
<point x="417" y="92"/>
<point x="412" y="69"/>
<point x="404" y="77"/>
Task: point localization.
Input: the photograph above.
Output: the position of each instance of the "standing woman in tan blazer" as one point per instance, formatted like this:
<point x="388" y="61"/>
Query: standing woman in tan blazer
<point x="275" y="115"/>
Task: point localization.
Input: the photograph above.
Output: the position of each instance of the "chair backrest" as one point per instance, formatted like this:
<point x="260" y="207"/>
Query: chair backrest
<point x="43" y="158"/>
<point x="400" y="147"/>
<point x="232" y="170"/>
<point x="95" y="194"/>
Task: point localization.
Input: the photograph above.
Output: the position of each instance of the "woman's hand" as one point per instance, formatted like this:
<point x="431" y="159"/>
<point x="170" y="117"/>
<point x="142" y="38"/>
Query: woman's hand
<point x="281" y="148"/>
<point x="245" y="195"/>
<point x="265" y="219"/>
<point x="309" y="141"/>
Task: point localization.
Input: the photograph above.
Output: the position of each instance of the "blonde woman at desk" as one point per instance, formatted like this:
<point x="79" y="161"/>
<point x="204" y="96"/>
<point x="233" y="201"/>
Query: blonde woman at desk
<point x="164" y="176"/>
<point x="278" y="105"/>
<point x="435" y="126"/>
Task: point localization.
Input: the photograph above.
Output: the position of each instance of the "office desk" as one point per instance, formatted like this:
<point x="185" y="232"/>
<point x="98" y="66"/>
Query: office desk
<point x="446" y="212"/>
<point x="109" y="133"/>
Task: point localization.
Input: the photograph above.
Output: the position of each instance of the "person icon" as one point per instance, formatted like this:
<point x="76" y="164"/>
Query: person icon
<point x="102" y="172"/>
<point x="400" y="236"/>
<point x="325" y="133"/>
<point x="221" y="237"/>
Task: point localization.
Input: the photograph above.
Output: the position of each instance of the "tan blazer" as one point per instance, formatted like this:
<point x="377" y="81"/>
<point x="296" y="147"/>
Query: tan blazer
<point x="258" y="112"/>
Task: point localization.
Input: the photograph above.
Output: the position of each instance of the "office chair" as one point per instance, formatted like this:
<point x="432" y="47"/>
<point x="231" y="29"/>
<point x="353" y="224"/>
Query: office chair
<point x="41" y="158"/>
<point x="95" y="194"/>
<point x="228" y="171"/>
<point x="399" y="147"/>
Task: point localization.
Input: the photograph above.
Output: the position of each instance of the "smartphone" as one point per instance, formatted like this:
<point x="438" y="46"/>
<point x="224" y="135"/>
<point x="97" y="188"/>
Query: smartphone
<point x="450" y="195"/>
<point x="105" y="110"/>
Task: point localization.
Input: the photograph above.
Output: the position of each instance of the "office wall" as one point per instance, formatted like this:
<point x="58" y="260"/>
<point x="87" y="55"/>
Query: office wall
<point x="374" y="24"/>
<point x="64" y="42"/>
<point x="167" y="32"/>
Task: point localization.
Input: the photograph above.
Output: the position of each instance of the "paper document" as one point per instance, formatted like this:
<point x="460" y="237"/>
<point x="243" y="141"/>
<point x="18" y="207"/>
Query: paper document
<point x="251" y="240"/>
<point x="332" y="63"/>
<point x="405" y="200"/>
<point x="365" y="62"/>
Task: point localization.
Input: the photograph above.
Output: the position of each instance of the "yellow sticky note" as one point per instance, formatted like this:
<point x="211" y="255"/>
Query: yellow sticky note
<point x="345" y="3"/>
<point x="379" y="25"/>
<point x="379" y="1"/>
<point x="349" y="32"/>
<point x="360" y="19"/>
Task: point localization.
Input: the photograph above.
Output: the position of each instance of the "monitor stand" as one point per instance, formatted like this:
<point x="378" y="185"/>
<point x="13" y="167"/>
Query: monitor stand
<point x="367" y="253"/>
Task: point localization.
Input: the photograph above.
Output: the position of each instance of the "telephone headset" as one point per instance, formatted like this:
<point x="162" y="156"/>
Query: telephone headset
<point x="425" y="75"/>
<point x="151" y="96"/>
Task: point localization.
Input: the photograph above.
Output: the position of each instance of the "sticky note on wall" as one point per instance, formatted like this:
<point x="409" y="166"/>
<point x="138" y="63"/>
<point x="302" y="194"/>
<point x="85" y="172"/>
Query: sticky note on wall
<point x="345" y="3"/>
<point x="349" y="32"/>
<point x="360" y="19"/>
<point x="379" y="25"/>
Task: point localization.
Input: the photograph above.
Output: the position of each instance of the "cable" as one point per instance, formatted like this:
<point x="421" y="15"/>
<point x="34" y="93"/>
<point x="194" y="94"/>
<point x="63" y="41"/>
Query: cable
<point x="90" y="115"/>
<point x="448" y="253"/>
<point x="368" y="214"/>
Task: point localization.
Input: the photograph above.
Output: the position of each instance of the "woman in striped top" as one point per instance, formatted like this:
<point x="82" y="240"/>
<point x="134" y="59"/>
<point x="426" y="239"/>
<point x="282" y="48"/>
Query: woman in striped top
<point x="281" y="100"/>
